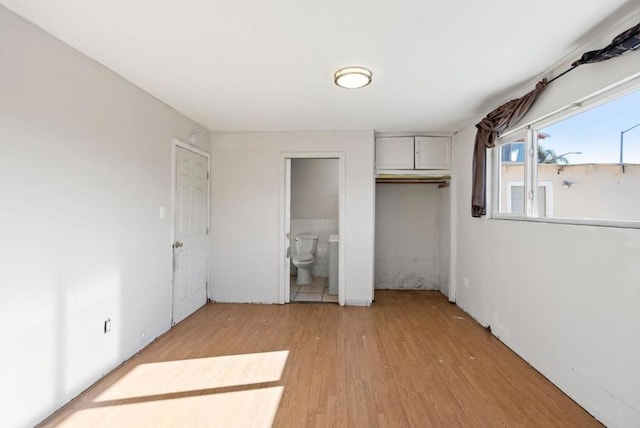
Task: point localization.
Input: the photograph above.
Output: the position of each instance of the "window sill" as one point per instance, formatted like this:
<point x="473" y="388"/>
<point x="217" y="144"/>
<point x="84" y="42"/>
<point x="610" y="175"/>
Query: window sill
<point x="571" y="221"/>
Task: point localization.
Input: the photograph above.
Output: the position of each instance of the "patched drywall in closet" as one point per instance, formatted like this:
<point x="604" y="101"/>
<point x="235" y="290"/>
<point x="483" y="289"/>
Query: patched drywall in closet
<point x="411" y="222"/>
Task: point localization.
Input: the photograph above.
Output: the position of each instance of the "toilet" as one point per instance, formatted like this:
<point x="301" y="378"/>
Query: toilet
<point x="305" y="245"/>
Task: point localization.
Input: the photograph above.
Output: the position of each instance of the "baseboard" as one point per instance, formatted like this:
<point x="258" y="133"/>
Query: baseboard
<point x="357" y="302"/>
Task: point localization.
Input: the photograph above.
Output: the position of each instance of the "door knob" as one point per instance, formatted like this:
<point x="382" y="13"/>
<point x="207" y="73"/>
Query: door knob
<point x="178" y="244"/>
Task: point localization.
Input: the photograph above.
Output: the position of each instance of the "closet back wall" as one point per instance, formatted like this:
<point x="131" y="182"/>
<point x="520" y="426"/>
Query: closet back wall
<point x="407" y="236"/>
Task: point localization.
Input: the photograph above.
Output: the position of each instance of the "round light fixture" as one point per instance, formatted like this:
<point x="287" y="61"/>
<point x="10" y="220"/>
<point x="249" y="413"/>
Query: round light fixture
<point x="352" y="77"/>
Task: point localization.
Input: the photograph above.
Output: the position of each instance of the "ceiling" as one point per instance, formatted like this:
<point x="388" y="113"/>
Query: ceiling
<point x="255" y="65"/>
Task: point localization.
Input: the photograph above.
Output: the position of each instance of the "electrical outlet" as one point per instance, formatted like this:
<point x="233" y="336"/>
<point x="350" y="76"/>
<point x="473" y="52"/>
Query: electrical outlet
<point x="107" y="325"/>
<point x="466" y="282"/>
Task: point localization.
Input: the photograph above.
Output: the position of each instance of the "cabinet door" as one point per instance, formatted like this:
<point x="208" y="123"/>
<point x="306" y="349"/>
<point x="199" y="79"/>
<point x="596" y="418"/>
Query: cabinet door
<point x="394" y="153"/>
<point x="433" y="153"/>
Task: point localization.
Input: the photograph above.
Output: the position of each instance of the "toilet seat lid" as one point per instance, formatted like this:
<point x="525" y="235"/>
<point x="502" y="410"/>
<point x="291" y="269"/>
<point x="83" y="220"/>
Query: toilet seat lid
<point x="304" y="257"/>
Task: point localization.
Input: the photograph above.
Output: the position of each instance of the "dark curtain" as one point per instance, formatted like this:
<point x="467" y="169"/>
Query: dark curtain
<point x="489" y="129"/>
<point x="623" y="42"/>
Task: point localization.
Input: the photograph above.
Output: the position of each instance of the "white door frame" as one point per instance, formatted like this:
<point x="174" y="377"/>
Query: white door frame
<point x="175" y="143"/>
<point x="285" y="263"/>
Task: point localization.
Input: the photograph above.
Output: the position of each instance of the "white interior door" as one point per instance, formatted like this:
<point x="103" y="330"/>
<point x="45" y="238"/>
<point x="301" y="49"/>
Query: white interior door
<point x="191" y="222"/>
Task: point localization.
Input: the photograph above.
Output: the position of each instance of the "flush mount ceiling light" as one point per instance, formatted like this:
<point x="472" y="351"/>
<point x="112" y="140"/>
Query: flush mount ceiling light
<point x="352" y="77"/>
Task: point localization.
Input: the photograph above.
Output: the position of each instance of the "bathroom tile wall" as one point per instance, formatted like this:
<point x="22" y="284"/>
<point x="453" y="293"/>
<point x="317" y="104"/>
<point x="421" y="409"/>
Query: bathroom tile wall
<point x="323" y="228"/>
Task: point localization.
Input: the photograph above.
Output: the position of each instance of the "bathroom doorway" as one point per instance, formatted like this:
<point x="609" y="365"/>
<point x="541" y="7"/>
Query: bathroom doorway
<point x="312" y="239"/>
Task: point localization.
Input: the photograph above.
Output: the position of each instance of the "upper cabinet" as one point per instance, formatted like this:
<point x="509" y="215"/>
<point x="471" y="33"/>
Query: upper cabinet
<point x="394" y="152"/>
<point x="413" y="153"/>
<point x="433" y="153"/>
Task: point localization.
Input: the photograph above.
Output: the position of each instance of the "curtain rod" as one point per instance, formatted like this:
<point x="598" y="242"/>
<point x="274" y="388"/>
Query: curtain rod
<point x="562" y="74"/>
<point x="626" y="41"/>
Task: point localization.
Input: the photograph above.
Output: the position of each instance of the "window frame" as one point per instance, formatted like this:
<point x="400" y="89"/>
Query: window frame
<point x="529" y="131"/>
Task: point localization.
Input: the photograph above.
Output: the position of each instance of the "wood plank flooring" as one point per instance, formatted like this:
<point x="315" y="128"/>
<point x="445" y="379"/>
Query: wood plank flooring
<point x="411" y="360"/>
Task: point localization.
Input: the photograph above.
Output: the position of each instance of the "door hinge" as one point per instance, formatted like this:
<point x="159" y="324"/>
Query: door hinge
<point x="207" y="230"/>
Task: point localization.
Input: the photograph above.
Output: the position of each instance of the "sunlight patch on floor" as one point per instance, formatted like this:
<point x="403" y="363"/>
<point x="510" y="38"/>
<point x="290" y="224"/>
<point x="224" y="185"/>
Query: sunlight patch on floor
<point x="225" y="391"/>
<point x="172" y="377"/>
<point x="247" y="408"/>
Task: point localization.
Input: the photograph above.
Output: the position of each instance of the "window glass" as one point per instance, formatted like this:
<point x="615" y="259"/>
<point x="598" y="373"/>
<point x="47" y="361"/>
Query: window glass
<point x="511" y="177"/>
<point x="517" y="199"/>
<point x="542" y="202"/>
<point x="592" y="163"/>
<point x="516" y="193"/>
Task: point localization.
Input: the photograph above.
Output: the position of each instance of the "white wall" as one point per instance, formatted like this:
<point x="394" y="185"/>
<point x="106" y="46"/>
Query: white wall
<point x="407" y="236"/>
<point x="563" y="297"/>
<point x="314" y="189"/>
<point x="444" y="204"/>
<point x="84" y="167"/>
<point x="246" y="211"/>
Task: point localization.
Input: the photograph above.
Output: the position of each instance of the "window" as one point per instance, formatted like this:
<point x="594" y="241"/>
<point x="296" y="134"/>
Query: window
<point x="581" y="168"/>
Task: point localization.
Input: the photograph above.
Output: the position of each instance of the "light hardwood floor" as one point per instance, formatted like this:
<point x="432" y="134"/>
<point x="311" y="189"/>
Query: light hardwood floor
<point x="411" y="360"/>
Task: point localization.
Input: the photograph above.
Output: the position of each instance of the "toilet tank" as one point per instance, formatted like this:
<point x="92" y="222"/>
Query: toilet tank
<point x="306" y="243"/>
